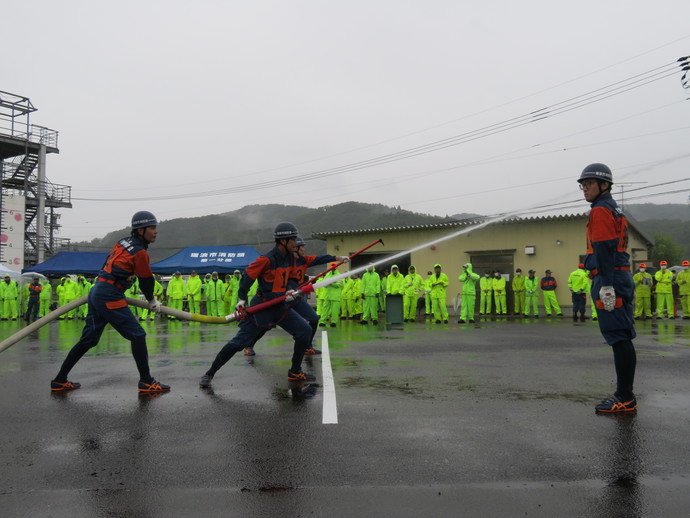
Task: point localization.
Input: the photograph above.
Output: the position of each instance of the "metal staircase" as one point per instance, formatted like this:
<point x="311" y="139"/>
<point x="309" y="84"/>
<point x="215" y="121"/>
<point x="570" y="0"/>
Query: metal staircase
<point x="21" y="148"/>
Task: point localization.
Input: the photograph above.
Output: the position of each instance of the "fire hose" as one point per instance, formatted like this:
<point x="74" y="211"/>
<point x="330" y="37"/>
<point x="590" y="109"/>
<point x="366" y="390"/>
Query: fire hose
<point x="239" y="314"/>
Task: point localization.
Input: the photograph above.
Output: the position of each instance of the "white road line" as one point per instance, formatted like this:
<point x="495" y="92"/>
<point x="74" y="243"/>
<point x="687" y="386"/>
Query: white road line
<point x="330" y="409"/>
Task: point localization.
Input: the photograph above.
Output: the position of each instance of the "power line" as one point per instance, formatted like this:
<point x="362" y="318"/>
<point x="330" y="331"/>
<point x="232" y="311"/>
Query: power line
<point x="572" y="203"/>
<point x="452" y="121"/>
<point x="580" y="101"/>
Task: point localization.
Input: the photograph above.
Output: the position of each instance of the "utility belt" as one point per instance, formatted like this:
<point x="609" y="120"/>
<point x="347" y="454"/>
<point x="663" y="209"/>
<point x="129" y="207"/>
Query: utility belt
<point x="113" y="282"/>
<point x="594" y="272"/>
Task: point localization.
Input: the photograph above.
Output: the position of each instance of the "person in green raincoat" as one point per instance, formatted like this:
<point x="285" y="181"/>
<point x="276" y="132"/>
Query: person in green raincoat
<point x="413" y="288"/>
<point x="439" y="287"/>
<point x="469" y="293"/>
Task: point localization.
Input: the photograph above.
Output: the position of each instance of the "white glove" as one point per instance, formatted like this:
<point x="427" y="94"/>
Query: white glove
<point x="608" y="297"/>
<point x="344" y="259"/>
<point x="241" y="304"/>
<point x="292" y="295"/>
<point x="155" y="305"/>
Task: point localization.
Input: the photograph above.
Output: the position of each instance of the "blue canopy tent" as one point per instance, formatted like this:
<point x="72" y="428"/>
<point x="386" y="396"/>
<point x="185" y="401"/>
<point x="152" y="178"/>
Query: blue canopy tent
<point x="63" y="263"/>
<point x="207" y="259"/>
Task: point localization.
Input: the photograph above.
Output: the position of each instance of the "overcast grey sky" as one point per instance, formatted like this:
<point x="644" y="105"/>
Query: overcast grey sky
<point x="156" y="99"/>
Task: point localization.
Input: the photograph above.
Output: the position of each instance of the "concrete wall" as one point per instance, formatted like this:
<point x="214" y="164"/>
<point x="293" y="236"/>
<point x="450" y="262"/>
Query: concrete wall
<point x="511" y="237"/>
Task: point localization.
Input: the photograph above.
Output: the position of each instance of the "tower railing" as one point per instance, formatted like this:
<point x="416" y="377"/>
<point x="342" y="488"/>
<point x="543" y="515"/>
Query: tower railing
<point x="35" y="133"/>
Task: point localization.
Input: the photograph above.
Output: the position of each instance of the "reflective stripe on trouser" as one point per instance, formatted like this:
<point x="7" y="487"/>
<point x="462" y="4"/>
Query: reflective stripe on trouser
<point x="617" y="325"/>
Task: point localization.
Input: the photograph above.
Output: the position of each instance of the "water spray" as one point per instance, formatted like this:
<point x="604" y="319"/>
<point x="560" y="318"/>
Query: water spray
<point x="243" y="313"/>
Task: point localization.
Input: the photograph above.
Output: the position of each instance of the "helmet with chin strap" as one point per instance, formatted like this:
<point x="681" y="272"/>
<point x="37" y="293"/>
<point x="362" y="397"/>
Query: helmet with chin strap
<point x="285" y="230"/>
<point x="596" y="172"/>
<point x="143" y="219"/>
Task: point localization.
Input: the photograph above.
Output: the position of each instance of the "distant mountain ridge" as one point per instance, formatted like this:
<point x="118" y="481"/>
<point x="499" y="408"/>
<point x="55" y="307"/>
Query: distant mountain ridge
<point x="253" y="225"/>
<point x="647" y="211"/>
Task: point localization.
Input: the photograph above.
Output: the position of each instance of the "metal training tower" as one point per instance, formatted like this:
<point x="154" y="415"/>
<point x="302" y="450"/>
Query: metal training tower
<point x="29" y="201"/>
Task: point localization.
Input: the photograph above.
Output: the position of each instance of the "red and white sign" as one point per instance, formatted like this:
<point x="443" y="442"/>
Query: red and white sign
<point x="12" y="231"/>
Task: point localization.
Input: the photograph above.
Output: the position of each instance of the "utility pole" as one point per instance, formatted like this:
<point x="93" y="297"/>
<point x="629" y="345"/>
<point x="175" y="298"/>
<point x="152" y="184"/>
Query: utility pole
<point x="622" y="186"/>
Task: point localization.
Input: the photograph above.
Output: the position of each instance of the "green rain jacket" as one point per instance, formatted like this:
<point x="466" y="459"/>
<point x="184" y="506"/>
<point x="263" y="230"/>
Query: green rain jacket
<point x="578" y="281"/>
<point x="413" y="284"/>
<point x="469" y="281"/>
<point x="664" y="281"/>
<point x="395" y="284"/>
<point x="643" y="284"/>
<point x="371" y="284"/>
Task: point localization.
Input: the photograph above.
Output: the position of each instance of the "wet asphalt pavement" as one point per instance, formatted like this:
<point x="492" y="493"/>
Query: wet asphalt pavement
<point x="494" y="419"/>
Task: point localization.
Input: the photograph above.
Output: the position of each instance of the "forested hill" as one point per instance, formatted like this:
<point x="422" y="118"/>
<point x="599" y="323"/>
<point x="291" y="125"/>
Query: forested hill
<point x="668" y="224"/>
<point x="253" y="225"/>
<point x="647" y="211"/>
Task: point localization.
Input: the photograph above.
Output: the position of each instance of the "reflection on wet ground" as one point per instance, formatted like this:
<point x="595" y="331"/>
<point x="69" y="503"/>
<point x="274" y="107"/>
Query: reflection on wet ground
<point x="494" y="419"/>
<point x="174" y="336"/>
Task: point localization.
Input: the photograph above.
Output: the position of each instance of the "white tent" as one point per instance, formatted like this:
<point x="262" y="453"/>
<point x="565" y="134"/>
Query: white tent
<point x="29" y="276"/>
<point x="6" y="271"/>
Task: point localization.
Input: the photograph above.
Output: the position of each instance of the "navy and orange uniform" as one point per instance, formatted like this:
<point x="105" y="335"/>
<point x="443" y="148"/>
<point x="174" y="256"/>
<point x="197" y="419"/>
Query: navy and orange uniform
<point x="35" y="291"/>
<point x="128" y="259"/>
<point x="548" y="287"/>
<point x="273" y="272"/>
<point x="548" y="283"/>
<point x="298" y="278"/>
<point x="300" y="305"/>
<point x="34" y="302"/>
<point x="302" y="264"/>
<point x="608" y="261"/>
